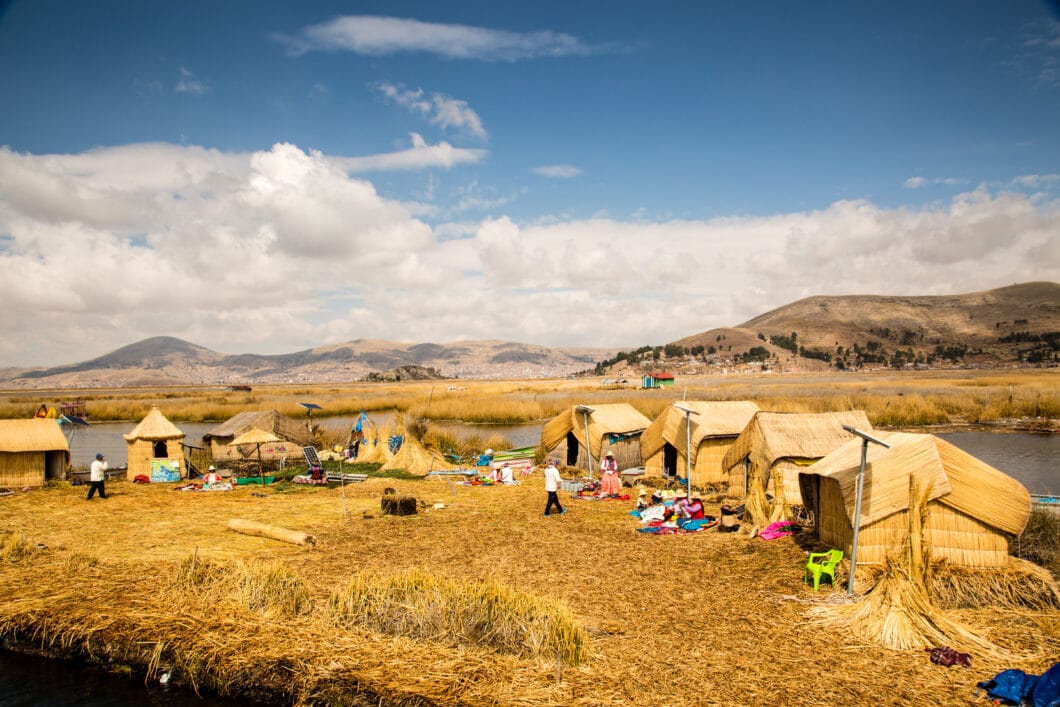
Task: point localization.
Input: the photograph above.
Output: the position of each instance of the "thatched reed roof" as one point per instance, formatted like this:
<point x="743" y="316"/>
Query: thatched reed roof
<point x="714" y="419"/>
<point x="955" y="478"/>
<point x="254" y="436"/>
<point x="154" y="426"/>
<point x="612" y="418"/>
<point x="33" y="435"/>
<point x="772" y="436"/>
<point x="268" y="420"/>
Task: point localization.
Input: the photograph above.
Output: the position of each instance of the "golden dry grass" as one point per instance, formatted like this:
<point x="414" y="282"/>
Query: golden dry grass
<point x="151" y="578"/>
<point x="889" y="398"/>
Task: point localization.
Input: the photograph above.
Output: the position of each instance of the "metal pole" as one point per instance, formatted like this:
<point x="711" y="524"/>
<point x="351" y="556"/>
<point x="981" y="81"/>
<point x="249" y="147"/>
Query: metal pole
<point x="688" y="456"/>
<point x="588" y="449"/>
<point x="865" y="439"/>
<point x="857" y="516"/>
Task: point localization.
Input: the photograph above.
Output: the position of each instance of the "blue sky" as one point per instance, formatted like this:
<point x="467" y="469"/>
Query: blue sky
<point x="266" y="177"/>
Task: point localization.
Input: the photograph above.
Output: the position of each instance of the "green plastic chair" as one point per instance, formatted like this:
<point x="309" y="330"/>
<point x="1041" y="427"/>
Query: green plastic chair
<point x="822" y="564"/>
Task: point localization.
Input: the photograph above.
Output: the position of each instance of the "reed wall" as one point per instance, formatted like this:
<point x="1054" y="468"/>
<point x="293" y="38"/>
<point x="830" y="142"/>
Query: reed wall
<point x="708" y="468"/>
<point x="142" y="453"/>
<point x="948" y="533"/>
<point x="19" y="469"/>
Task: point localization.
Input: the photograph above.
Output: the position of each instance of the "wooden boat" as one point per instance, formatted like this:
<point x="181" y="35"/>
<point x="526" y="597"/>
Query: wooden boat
<point x="1045" y="502"/>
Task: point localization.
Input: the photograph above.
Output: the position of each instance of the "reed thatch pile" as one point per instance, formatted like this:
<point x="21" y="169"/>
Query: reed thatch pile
<point x="702" y="618"/>
<point x="414" y="458"/>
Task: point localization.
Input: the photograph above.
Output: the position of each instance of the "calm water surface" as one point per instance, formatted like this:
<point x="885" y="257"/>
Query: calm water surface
<point x="29" y="681"/>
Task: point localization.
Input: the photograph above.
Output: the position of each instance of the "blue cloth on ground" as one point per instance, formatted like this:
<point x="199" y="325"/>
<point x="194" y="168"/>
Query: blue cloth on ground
<point x="1047" y="691"/>
<point x="1010" y="686"/>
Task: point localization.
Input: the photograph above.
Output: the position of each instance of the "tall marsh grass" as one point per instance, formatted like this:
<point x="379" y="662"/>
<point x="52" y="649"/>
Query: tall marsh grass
<point x="891" y="399"/>
<point x="460" y="612"/>
<point x="269" y="588"/>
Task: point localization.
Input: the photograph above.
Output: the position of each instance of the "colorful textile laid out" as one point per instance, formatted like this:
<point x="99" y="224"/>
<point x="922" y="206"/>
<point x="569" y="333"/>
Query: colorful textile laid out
<point x="308" y="479"/>
<point x="224" y="486"/>
<point x="780" y="529"/>
<point x="681" y="526"/>
<point x="597" y="496"/>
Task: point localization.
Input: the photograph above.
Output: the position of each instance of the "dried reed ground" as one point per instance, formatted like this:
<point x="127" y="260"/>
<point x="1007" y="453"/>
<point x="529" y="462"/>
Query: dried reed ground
<point x="708" y="618"/>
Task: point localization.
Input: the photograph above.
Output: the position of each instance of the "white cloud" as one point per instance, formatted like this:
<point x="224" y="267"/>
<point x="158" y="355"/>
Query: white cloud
<point x="1036" y="181"/>
<point x="375" y="36"/>
<point x="557" y="171"/>
<point x="187" y="83"/>
<point x="280" y="249"/>
<point x="921" y="182"/>
<point x="419" y="156"/>
<point x="439" y="109"/>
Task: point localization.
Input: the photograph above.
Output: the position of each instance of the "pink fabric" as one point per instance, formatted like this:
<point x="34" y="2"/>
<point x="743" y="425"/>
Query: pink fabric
<point x="611" y="484"/>
<point x="780" y="529"/>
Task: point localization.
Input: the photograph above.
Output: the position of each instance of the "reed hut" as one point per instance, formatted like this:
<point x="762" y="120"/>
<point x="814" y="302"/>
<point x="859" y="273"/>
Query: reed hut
<point x="972" y="508"/>
<point x="293" y="436"/>
<point x="614" y="428"/>
<point x="714" y="428"/>
<point x="775" y="446"/>
<point x="154" y="442"/>
<point x="32" y="452"/>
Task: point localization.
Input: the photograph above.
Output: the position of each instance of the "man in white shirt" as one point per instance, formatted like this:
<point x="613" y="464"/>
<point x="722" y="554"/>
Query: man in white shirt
<point x="553" y="482"/>
<point x="97" y="472"/>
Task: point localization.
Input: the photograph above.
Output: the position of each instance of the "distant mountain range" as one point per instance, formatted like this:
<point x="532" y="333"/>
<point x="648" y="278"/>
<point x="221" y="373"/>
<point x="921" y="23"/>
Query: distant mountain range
<point x="1012" y="325"/>
<point x="166" y="360"/>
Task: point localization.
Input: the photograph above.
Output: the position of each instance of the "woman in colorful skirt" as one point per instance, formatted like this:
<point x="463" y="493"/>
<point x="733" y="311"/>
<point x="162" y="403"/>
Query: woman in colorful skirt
<point x="610" y="481"/>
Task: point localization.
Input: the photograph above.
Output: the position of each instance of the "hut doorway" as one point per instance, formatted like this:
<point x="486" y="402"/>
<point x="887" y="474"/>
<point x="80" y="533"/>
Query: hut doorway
<point x="54" y="465"/>
<point x="572" y="450"/>
<point x="669" y="460"/>
<point x="161" y="449"/>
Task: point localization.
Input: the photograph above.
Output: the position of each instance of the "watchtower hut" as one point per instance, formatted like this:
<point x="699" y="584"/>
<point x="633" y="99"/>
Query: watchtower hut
<point x="154" y="442"/>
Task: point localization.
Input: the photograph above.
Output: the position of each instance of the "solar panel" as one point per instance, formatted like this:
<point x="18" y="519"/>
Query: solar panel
<point x="311" y="457"/>
<point x="311" y="406"/>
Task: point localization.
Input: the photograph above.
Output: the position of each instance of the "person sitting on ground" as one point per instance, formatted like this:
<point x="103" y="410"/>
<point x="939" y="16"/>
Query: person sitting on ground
<point x="212" y="477"/>
<point x="506" y="475"/>
<point x="642" y="499"/>
<point x="693" y="510"/>
<point x="485" y="459"/>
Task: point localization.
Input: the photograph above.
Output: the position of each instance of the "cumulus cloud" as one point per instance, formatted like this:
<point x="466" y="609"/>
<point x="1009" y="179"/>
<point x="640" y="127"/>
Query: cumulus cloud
<point x="375" y="36"/>
<point x="420" y="156"/>
<point x="557" y="171"/>
<point x="441" y="110"/>
<point x="281" y="249"/>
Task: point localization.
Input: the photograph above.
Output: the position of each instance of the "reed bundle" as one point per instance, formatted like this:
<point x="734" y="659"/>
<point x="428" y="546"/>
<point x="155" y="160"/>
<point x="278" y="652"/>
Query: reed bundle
<point x="461" y="613"/>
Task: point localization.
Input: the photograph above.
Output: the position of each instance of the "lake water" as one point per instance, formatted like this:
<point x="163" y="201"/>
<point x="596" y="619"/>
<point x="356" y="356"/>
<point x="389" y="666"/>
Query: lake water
<point x="1033" y="459"/>
<point x="30" y="681"/>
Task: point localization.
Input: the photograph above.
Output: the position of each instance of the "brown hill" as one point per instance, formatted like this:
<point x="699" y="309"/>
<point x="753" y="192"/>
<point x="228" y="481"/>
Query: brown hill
<point x="1008" y="325"/>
